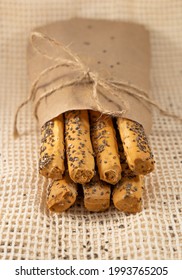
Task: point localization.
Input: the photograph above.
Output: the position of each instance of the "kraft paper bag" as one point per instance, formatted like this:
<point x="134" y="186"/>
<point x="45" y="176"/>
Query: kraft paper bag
<point x="101" y="65"/>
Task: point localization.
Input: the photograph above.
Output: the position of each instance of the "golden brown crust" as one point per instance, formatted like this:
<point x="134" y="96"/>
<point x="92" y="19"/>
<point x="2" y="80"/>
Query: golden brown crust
<point x="136" y="147"/>
<point x="105" y="147"/>
<point x="51" y="162"/>
<point x="124" y="166"/>
<point x="79" y="150"/>
<point x="62" y="194"/>
<point x="127" y="194"/>
<point x="96" y="195"/>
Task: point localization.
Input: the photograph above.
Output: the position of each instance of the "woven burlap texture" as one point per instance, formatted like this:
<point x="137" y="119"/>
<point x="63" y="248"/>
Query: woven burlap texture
<point x="27" y="229"/>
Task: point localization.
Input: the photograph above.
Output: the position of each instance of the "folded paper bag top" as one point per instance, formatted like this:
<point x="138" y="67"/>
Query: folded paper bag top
<point x="108" y="51"/>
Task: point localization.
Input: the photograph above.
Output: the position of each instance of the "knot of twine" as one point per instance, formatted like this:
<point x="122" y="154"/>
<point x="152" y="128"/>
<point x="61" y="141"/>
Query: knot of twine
<point x="85" y="76"/>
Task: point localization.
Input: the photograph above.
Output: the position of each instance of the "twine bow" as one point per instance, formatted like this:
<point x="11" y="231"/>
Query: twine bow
<point x="85" y="76"/>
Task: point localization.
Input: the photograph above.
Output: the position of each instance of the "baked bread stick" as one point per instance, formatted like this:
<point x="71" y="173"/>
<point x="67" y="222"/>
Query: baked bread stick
<point x="136" y="147"/>
<point x="96" y="195"/>
<point x="105" y="147"/>
<point x="62" y="194"/>
<point x="127" y="194"/>
<point x="79" y="150"/>
<point x="51" y="161"/>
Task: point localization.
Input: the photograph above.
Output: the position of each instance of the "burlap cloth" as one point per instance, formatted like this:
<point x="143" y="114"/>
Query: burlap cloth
<point x="28" y="230"/>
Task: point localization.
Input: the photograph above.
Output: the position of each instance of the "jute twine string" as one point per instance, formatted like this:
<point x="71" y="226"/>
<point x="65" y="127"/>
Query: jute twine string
<point x="84" y="76"/>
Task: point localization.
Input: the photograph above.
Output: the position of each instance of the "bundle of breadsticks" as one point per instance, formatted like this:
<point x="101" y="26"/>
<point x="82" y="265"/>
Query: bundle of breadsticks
<point x="106" y="157"/>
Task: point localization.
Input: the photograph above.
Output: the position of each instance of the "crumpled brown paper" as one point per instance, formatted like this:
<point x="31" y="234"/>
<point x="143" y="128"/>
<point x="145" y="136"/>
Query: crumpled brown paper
<point x="111" y="50"/>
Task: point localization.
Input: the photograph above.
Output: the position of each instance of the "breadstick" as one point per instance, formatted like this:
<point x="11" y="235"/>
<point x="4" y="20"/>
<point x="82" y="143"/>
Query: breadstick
<point x="51" y="162"/>
<point x="127" y="194"/>
<point x="136" y="147"/>
<point x="105" y="147"/>
<point x="62" y="194"/>
<point x="96" y="195"/>
<point x="79" y="150"/>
